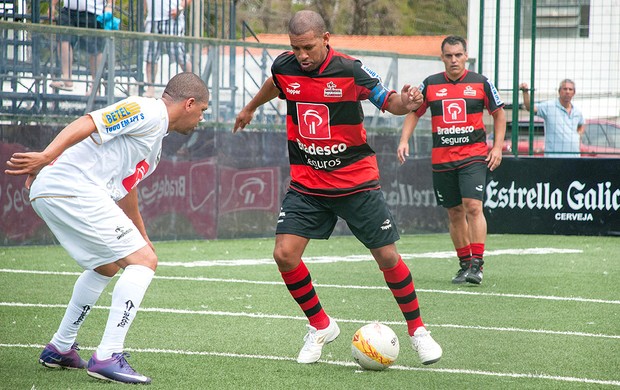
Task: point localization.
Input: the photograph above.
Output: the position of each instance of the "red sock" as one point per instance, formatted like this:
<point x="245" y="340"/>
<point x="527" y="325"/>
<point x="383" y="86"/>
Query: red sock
<point x="464" y="253"/>
<point x="299" y="284"/>
<point x="477" y="250"/>
<point x="400" y="282"/>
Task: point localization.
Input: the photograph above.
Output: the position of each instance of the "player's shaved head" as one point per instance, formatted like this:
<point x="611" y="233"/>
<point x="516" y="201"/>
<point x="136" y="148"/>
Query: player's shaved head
<point x="306" y="20"/>
<point x="187" y="85"/>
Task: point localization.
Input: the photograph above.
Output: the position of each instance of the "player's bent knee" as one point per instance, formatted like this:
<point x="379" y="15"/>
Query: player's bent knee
<point x="144" y="256"/>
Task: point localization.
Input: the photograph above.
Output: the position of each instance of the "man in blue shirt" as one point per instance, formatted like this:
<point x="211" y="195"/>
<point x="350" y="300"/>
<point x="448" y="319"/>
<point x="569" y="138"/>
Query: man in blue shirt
<point x="563" y="121"/>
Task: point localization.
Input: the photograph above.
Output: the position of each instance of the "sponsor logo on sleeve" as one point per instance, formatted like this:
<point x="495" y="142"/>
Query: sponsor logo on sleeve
<point x="371" y="73"/>
<point x="121" y="116"/>
<point x="496" y="98"/>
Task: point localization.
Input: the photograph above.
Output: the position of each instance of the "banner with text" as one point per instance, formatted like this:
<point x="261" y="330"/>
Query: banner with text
<point x="554" y="196"/>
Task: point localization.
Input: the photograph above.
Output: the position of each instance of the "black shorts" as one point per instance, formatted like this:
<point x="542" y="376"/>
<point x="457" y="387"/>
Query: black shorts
<point x="466" y="182"/>
<point x="366" y="213"/>
<point x="72" y="18"/>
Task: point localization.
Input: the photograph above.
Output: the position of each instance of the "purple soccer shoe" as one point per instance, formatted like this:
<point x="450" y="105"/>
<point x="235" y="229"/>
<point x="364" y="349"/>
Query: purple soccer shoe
<point x="51" y="357"/>
<point x="115" y="369"/>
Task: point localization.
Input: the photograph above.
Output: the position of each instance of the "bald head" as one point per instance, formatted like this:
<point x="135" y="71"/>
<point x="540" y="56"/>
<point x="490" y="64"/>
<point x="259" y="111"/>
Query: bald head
<point x="304" y="21"/>
<point x="186" y="85"/>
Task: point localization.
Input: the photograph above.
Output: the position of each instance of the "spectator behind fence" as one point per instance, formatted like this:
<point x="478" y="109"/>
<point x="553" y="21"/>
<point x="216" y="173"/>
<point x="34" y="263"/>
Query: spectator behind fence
<point x="79" y="13"/>
<point x="164" y="17"/>
<point x="563" y="121"/>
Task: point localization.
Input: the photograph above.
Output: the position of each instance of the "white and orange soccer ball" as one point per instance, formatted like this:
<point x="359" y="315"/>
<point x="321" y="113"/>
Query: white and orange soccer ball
<point x="375" y="346"/>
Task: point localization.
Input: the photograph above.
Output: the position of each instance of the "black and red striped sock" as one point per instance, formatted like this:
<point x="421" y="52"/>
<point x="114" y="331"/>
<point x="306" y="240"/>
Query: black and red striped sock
<point x="477" y="251"/>
<point x="299" y="284"/>
<point x="400" y="282"/>
<point x="464" y="253"/>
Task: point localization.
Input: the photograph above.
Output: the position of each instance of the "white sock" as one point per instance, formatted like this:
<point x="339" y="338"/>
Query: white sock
<point x="126" y="299"/>
<point x="86" y="291"/>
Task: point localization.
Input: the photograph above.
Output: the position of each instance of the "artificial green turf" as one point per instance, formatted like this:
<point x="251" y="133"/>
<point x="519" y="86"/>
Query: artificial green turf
<point x="236" y="327"/>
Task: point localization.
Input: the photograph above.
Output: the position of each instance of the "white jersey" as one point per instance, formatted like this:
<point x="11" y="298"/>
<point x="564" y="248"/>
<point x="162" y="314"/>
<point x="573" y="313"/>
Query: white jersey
<point x="92" y="6"/>
<point x="125" y="149"/>
<point x="158" y="10"/>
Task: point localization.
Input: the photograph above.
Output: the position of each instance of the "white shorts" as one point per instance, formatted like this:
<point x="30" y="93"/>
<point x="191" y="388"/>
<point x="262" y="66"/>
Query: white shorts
<point x="92" y="228"/>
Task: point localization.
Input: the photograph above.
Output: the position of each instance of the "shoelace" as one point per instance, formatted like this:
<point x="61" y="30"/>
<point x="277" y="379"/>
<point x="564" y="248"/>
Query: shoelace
<point x="122" y="361"/>
<point x="420" y="342"/>
<point x="311" y="333"/>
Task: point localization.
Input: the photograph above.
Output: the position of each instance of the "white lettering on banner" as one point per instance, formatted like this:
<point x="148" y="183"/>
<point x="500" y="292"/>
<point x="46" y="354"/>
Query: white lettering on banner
<point x="578" y="197"/>
<point x="599" y="198"/>
<point x="16" y="199"/>
<point x="573" y="217"/>
<point x="163" y="188"/>
<point x="540" y="197"/>
<point x="405" y="195"/>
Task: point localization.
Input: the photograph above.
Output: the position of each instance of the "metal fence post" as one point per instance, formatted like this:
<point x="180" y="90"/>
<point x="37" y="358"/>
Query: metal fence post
<point x="515" y="77"/>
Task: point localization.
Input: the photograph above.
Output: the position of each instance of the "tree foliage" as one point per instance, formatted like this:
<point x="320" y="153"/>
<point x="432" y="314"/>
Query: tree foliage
<point x="361" y="17"/>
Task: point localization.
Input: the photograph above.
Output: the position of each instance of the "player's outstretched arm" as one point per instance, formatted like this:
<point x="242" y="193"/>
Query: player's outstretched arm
<point x="266" y="93"/>
<point x="409" y="99"/>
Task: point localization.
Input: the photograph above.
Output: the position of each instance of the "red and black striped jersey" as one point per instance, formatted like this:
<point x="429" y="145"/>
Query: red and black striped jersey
<point x="457" y="109"/>
<point x="327" y="145"/>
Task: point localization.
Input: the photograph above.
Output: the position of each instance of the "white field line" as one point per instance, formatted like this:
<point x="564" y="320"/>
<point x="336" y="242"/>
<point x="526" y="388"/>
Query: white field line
<point x="298" y="318"/>
<point x="359" y="258"/>
<point x="350" y="364"/>
<point x="354" y="287"/>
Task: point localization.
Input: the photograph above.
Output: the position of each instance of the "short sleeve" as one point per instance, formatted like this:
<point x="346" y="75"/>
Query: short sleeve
<point x="370" y="85"/>
<point x="495" y="102"/>
<point x="542" y="109"/>
<point x="129" y="116"/>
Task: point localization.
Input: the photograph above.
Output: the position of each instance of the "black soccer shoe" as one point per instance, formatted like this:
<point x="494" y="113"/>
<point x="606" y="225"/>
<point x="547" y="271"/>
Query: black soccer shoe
<point x="474" y="274"/>
<point x="461" y="274"/>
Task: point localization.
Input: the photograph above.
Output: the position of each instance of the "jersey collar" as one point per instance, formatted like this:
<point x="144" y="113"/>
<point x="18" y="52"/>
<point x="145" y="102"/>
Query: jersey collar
<point x="330" y="54"/>
<point x="445" y="74"/>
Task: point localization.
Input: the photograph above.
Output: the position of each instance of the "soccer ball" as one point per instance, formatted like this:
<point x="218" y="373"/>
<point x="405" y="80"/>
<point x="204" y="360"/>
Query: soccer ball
<point x="375" y="346"/>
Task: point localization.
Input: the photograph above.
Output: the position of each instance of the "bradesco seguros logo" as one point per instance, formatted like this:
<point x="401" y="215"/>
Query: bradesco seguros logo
<point x="313" y="121"/>
<point x="454" y="110"/>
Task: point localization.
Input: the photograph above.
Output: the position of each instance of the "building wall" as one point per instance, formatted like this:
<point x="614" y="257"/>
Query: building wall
<point x="592" y="62"/>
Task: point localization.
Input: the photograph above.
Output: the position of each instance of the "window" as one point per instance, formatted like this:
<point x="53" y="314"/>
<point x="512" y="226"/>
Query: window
<point x="557" y="19"/>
